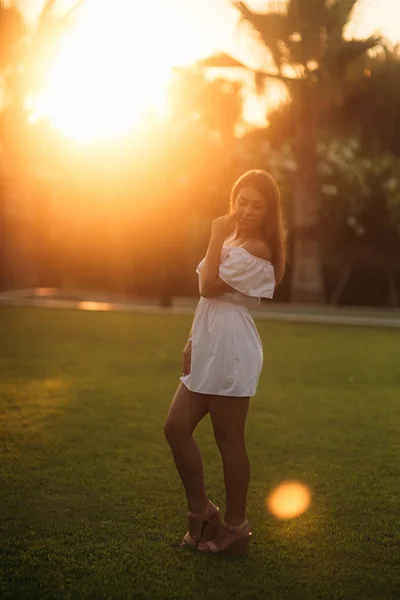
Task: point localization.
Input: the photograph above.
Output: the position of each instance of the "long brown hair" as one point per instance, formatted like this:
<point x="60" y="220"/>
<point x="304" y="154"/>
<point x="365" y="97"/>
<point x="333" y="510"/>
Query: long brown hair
<point x="275" y="227"/>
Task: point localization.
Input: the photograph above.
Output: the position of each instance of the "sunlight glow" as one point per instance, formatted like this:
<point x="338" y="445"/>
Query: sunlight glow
<point x="290" y="499"/>
<point x="96" y="306"/>
<point x="44" y="292"/>
<point x="113" y="66"/>
<point x="111" y="70"/>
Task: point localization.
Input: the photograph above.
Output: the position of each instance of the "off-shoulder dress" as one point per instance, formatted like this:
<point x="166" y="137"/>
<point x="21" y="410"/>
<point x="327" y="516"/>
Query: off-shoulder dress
<point x="227" y="352"/>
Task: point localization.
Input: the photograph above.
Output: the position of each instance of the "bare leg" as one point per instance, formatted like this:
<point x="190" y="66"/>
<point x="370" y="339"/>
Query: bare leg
<point x="189" y="465"/>
<point x="186" y="411"/>
<point x="228" y="417"/>
<point x="237" y="476"/>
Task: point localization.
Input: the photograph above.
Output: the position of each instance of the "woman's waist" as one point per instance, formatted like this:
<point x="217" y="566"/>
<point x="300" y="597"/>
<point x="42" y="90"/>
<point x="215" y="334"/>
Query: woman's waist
<point x="229" y="301"/>
<point x="217" y="315"/>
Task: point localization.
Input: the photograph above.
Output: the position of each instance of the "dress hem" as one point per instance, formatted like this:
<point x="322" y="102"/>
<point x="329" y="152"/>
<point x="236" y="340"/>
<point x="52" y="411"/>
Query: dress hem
<point x="216" y="393"/>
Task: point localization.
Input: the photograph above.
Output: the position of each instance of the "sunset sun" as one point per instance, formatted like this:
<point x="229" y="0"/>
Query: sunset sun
<point x="111" y="68"/>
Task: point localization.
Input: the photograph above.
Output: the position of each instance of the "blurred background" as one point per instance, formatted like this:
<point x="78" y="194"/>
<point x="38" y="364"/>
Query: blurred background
<point x="124" y="124"/>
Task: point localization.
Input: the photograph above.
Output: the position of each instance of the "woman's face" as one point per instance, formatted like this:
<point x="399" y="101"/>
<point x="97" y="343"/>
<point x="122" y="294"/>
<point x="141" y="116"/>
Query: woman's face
<point x="250" y="209"/>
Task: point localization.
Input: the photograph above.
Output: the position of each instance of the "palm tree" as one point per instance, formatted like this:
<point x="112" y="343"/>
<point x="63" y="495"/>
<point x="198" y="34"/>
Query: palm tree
<point x="306" y="45"/>
<point x="24" y="53"/>
<point x="379" y="94"/>
<point x="203" y="115"/>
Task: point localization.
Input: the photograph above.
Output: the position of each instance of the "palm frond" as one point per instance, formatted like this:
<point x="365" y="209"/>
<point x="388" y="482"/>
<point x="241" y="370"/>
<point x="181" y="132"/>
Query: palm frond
<point x="271" y="28"/>
<point x="307" y="21"/>
<point x="340" y="56"/>
<point x="338" y="15"/>
<point x="306" y="13"/>
<point x="222" y="60"/>
<point x="260" y="81"/>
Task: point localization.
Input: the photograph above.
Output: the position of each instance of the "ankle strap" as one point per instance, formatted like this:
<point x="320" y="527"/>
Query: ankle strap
<point x="203" y="515"/>
<point x="236" y="528"/>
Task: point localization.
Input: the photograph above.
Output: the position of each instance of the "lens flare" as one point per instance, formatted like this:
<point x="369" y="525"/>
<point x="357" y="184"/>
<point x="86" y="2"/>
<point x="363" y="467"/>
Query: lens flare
<point x="289" y="500"/>
<point x="102" y="306"/>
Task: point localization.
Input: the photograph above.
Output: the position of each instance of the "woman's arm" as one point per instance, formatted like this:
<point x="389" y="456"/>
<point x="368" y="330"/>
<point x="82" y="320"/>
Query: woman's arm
<point x="210" y="283"/>
<point x="187" y="356"/>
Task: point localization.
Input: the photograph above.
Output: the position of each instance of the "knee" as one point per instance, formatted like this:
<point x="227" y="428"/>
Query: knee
<point x="168" y="431"/>
<point x="174" y="431"/>
<point x="229" y="443"/>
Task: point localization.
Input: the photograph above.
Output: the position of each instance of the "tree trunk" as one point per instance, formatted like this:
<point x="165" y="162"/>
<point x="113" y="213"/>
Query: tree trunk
<point x="343" y="279"/>
<point x="393" y="296"/>
<point x="307" y="285"/>
<point x="3" y="285"/>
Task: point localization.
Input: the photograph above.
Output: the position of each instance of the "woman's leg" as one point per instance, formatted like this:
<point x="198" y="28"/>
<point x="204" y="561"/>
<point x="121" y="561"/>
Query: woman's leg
<point x="228" y="416"/>
<point x="186" y="411"/>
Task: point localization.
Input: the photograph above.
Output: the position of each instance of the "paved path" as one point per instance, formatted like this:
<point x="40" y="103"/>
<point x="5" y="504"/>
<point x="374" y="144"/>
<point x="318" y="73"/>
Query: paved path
<point x="272" y="311"/>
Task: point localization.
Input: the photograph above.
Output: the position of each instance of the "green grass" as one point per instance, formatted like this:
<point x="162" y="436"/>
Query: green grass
<point x="91" y="504"/>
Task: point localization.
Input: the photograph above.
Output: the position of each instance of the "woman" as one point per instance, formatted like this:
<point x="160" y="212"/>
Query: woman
<point x="223" y="357"/>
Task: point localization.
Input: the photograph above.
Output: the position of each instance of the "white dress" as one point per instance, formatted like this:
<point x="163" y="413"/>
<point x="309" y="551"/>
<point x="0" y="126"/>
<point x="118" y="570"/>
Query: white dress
<point x="227" y="353"/>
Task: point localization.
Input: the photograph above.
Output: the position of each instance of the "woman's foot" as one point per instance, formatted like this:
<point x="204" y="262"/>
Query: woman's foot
<point x="203" y="526"/>
<point x="232" y="540"/>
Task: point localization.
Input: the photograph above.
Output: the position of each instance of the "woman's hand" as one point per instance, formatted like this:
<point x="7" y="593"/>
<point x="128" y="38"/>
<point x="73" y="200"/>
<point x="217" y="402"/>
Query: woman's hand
<point x="223" y="226"/>
<point x="187" y="357"/>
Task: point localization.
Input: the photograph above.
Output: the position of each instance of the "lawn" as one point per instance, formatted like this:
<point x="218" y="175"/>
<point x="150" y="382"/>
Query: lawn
<point x="92" y="507"/>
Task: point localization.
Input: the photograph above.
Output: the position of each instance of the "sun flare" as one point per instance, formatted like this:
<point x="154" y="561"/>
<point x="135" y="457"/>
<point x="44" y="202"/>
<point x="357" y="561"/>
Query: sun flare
<point x="111" y="68"/>
<point x="289" y="500"/>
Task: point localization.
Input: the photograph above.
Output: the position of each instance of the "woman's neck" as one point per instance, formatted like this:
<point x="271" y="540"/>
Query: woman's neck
<point x="240" y="235"/>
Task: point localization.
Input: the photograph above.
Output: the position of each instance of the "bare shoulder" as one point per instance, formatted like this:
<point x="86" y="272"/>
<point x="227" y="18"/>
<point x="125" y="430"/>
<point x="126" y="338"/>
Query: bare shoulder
<point x="258" y="248"/>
